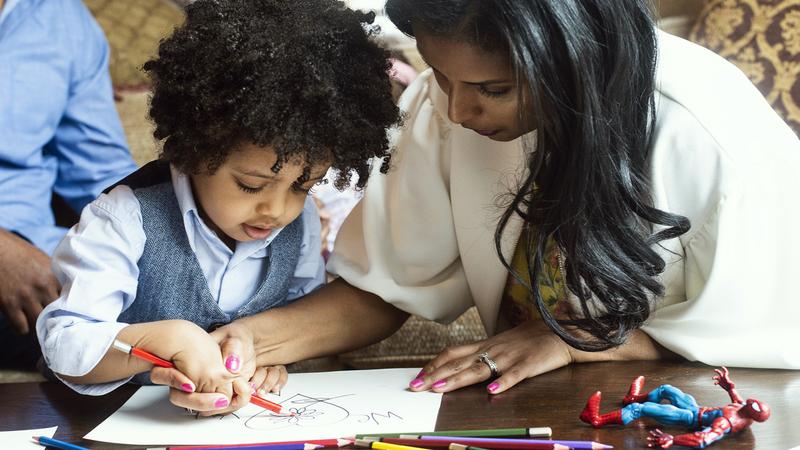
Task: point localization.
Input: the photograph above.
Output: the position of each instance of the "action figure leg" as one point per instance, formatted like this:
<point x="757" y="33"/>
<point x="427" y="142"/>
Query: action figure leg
<point x="663" y="413"/>
<point x="591" y="413"/>
<point x="634" y="393"/>
<point x="673" y="395"/>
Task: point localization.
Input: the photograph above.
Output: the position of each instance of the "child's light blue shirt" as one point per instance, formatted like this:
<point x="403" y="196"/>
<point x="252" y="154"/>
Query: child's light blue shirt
<point x="96" y="264"/>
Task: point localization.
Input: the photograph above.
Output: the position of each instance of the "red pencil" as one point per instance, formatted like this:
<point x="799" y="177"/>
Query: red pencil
<point x="147" y="356"/>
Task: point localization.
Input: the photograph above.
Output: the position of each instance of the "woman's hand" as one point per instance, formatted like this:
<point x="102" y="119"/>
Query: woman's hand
<point x="522" y="352"/>
<point x="183" y="395"/>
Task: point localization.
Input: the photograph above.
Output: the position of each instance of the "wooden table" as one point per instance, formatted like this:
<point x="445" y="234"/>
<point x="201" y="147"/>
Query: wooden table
<point x="554" y="399"/>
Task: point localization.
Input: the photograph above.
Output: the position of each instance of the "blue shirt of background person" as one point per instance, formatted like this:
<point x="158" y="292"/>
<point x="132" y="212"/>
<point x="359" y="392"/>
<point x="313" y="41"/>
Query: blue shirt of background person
<point x="59" y="130"/>
<point x="61" y="143"/>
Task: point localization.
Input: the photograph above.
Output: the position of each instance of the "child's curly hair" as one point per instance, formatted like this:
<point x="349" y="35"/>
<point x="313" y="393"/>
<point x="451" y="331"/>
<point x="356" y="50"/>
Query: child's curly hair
<point x="303" y="76"/>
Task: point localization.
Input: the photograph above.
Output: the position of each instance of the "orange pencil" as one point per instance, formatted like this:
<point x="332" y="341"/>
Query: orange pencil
<point x="149" y="357"/>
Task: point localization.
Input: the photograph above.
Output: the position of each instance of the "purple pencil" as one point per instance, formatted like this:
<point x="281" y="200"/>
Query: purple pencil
<point x="583" y="445"/>
<point x="258" y="447"/>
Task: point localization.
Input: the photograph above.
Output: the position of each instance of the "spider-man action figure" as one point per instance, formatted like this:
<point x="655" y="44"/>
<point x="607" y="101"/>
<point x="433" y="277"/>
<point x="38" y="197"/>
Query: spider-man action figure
<point x="712" y="423"/>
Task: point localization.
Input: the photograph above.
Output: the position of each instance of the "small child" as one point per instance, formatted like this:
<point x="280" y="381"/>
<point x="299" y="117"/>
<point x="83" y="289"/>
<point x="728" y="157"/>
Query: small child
<point x="255" y="100"/>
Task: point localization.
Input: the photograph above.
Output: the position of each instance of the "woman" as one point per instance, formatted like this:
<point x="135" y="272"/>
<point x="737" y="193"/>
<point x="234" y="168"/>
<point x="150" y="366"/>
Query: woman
<point x="641" y="181"/>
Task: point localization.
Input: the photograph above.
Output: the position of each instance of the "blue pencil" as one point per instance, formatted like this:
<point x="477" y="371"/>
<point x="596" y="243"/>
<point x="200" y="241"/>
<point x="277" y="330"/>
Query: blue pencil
<point x="43" y="440"/>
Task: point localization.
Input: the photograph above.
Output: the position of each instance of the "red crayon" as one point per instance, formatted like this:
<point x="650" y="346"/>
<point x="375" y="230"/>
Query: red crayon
<point x="149" y="357"/>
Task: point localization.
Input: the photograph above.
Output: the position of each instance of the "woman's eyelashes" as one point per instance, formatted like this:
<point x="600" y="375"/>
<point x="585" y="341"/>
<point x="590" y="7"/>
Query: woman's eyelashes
<point x="495" y="92"/>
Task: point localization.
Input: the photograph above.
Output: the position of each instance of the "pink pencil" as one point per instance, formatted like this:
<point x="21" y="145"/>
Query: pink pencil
<point x="323" y="442"/>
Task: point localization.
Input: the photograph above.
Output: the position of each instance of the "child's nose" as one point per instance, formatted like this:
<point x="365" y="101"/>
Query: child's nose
<point x="273" y="208"/>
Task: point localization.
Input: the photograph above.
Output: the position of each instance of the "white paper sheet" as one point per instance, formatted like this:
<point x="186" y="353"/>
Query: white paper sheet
<point x="22" y="439"/>
<point x="328" y="405"/>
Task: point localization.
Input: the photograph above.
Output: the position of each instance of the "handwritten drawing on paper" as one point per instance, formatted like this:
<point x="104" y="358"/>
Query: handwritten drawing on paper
<point x="325" y="405"/>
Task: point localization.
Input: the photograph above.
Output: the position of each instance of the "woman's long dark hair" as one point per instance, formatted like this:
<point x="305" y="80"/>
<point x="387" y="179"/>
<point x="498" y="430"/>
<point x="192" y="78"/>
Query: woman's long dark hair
<point x="586" y="69"/>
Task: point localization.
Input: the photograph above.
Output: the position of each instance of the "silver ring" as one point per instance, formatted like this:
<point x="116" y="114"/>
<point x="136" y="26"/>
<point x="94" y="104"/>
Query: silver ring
<point x="484" y="358"/>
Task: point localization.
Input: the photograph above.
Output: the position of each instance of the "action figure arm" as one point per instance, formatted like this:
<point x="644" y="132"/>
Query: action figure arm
<point x="723" y="380"/>
<point x="701" y="439"/>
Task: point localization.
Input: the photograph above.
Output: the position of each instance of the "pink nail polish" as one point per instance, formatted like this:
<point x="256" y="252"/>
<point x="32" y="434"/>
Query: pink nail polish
<point x="187" y="387"/>
<point x="417" y="382"/>
<point x="233" y="363"/>
<point x="221" y="402"/>
<point x="493" y="387"/>
<point x="420" y="374"/>
<point x="439" y="384"/>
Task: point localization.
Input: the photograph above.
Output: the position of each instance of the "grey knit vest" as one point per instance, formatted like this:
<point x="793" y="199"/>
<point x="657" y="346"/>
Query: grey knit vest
<point x="171" y="282"/>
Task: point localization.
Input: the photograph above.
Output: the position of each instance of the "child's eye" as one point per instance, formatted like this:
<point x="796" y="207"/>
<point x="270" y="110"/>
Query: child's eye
<point x="248" y="189"/>
<point x="493" y="92"/>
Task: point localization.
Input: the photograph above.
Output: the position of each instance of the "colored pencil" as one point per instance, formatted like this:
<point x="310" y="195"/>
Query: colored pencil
<point x="367" y="443"/>
<point x="514" y="443"/>
<point x="495" y="444"/>
<point x="301" y="446"/>
<point x="147" y="356"/>
<point x="341" y="442"/>
<point x="50" y="442"/>
<point x="465" y="447"/>
<point x="534" y="432"/>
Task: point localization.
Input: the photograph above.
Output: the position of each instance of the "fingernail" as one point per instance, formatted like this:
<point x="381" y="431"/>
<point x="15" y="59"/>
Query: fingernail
<point x="420" y="374"/>
<point x="439" y="384"/>
<point x="221" y="402"/>
<point x="493" y="387"/>
<point x="233" y="363"/>
<point x="187" y="387"/>
<point x="417" y="382"/>
<point x="252" y="388"/>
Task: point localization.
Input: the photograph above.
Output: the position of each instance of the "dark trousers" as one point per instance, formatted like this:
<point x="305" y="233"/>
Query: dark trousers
<point x="17" y="351"/>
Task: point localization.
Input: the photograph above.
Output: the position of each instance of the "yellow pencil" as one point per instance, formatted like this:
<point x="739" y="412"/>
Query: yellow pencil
<point x="369" y="443"/>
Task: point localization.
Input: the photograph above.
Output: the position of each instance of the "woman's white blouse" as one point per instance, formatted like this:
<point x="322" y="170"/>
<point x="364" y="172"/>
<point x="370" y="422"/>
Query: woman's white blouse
<point x="423" y="236"/>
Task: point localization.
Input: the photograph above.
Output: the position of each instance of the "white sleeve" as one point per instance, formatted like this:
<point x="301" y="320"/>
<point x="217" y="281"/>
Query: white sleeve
<point x="400" y="242"/>
<point x="96" y="264"/>
<point x="740" y="264"/>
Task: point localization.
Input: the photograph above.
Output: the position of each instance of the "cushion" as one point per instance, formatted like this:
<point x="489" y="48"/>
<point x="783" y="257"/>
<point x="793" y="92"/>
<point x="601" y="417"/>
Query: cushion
<point x="134" y="30"/>
<point x="762" y="38"/>
<point x="417" y="342"/>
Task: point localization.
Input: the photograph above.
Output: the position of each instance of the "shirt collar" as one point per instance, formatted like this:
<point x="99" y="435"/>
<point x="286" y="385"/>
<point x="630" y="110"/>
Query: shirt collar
<point x="194" y="224"/>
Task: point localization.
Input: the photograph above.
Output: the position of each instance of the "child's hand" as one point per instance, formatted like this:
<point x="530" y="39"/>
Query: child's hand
<point x="196" y="356"/>
<point x="269" y="379"/>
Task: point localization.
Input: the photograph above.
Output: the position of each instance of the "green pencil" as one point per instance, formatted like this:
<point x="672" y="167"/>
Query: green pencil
<point x="536" y="432"/>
